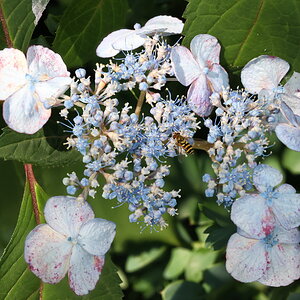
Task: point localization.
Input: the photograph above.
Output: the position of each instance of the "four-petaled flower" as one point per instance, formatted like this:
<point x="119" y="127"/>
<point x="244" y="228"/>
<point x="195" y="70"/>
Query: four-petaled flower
<point x="129" y="39"/>
<point x="268" y="254"/>
<point x="25" y="85"/>
<point x="283" y="202"/>
<point x="73" y="241"/>
<point x="200" y="67"/>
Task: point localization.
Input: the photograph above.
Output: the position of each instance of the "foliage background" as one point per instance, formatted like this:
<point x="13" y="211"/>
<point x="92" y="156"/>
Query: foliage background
<point x="185" y="261"/>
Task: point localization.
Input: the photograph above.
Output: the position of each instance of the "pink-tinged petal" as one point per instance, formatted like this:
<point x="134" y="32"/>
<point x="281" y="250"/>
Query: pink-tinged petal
<point x="288" y="114"/>
<point x="66" y="214"/>
<point x="45" y="64"/>
<point x="52" y="88"/>
<point x="292" y="87"/>
<point x="123" y="39"/>
<point x="184" y="65"/>
<point x="84" y="270"/>
<point x="48" y="253"/>
<point x="286" y="208"/>
<point x="265" y="176"/>
<point x="218" y="78"/>
<point x="206" y="50"/>
<point x="253" y="216"/>
<point x="263" y="72"/>
<point x="289" y="136"/>
<point x="198" y="96"/>
<point x="283" y="265"/>
<point x="166" y="25"/>
<point x="23" y="112"/>
<point x="284" y="236"/>
<point x="286" y="189"/>
<point x="13" y="68"/>
<point x="96" y="236"/>
<point x="245" y="258"/>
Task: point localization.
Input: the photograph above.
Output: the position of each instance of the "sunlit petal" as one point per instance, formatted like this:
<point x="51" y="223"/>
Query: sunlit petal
<point x="84" y="271"/>
<point x="66" y="214"/>
<point x="218" y="78"/>
<point x="48" y="253"/>
<point x="289" y="136"/>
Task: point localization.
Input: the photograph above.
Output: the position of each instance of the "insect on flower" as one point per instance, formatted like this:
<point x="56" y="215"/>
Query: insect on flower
<point x="183" y="143"/>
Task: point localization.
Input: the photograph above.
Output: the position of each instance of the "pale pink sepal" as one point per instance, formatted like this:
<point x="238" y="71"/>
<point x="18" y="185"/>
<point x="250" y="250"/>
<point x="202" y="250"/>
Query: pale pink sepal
<point x="24" y="112"/>
<point x="13" y="68"/>
<point x="285" y="268"/>
<point x="44" y="62"/>
<point x="252" y="215"/>
<point x="245" y="258"/>
<point x="206" y="50"/>
<point x="185" y="67"/>
<point x="47" y="252"/>
<point x="96" y="236"/>
<point x="218" y="78"/>
<point x="198" y="96"/>
<point x="289" y="135"/>
<point x="265" y="176"/>
<point x="66" y="215"/>
<point x="263" y="72"/>
<point x="84" y="270"/>
<point x="166" y="25"/>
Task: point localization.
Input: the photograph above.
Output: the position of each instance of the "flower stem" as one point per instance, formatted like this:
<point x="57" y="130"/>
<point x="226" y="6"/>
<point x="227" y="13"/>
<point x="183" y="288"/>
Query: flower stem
<point x="8" y="40"/>
<point x="140" y="103"/>
<point x="31" y="181"/>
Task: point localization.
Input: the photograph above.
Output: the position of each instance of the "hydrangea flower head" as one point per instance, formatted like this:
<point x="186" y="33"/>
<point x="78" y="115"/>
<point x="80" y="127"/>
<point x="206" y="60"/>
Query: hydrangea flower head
<point x="200" y="68"/>
<point x="283" y="202"/>
<point x="270" y="256"/>
<point x="263" y="74"/>
<point x="130" y="39"/>
<point x="26" y="83"/>
<point x="73" y="241"/>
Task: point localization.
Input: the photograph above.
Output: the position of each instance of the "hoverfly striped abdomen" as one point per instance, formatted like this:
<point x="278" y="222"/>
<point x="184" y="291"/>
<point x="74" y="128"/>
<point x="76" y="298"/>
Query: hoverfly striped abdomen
<point x="183" y="143"/>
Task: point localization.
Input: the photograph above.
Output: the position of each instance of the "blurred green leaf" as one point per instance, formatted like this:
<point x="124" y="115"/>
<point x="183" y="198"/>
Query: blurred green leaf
<point x="16" y="281"/>
<point x="137" y="262"/>
<point x="200" y="260"/>
<point x="215" y="212"/>
<point x="291" y="161"/>
<point x="35" y="148"/>
<point x="180" y="289"/>
<point x="178" y="261"/>
<point x="83" y="25"/>
<point x="247" y="29"/>
<point x="19" y="19"/>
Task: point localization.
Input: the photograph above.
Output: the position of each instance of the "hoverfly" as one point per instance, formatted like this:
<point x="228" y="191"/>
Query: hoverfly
<point x="183" y="143"/>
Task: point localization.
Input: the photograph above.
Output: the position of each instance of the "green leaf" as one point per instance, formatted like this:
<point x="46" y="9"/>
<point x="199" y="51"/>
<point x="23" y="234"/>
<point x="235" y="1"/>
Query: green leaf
<point x="200" y="260"/>
<point x="83" y="25"/>
<point x="291" y="161"/>
<point x="42" y="148"/>
<point x="19" y="19"/>
<point x="218" y="236"/>
<point x="137" y="262"/>
<point x="179" y="259"/>
<point x="16" y="281"/>
<point x="180" y="289"/>
<point x="247" y="29"/>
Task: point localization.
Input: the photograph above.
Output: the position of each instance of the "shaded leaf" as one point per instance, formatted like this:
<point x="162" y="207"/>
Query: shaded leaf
<point x="83" y="25"/>
<point x="291" y="161"/>
<point x="136" y="262"/>
<point x="180" y="289"/>
<point x="268" y="27"/>
<point x="42" y="148"/>
<point x="19" y="20"/>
